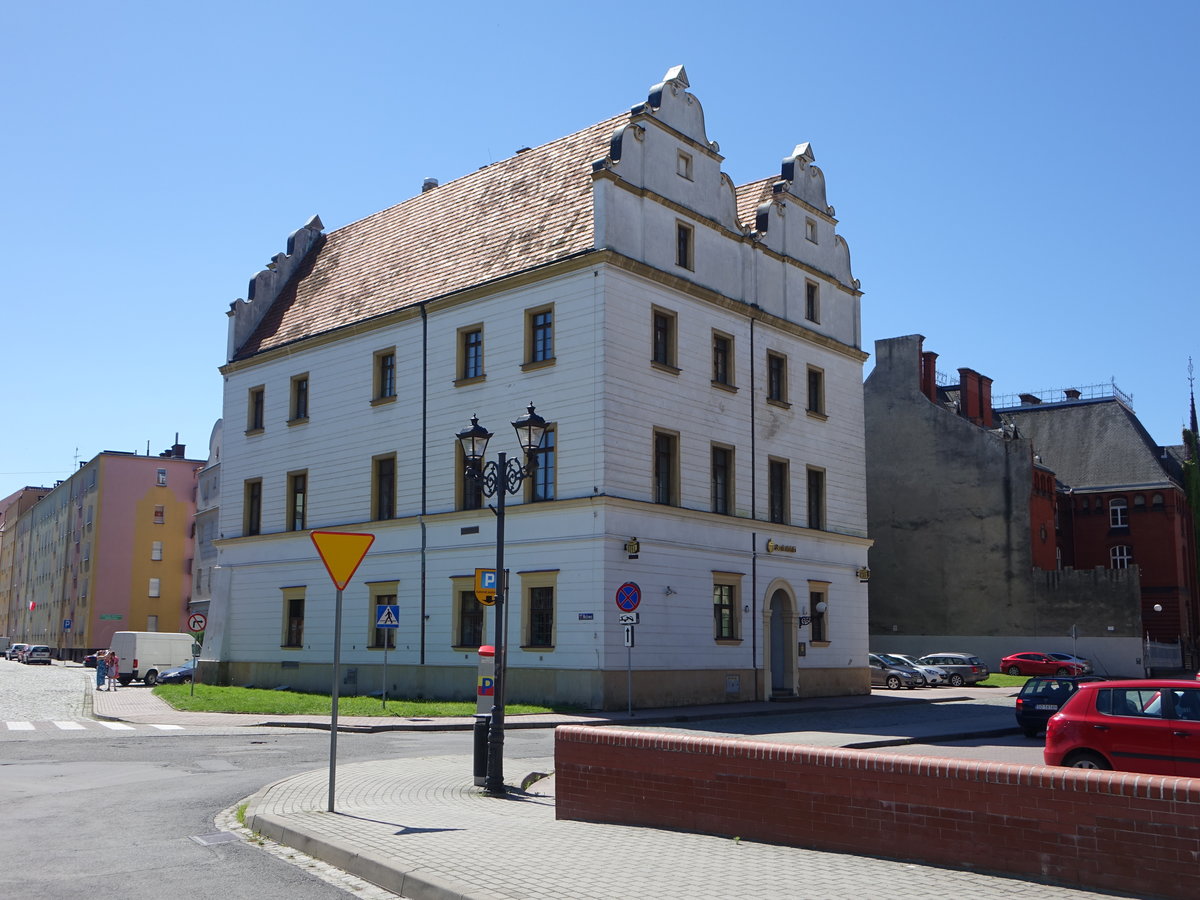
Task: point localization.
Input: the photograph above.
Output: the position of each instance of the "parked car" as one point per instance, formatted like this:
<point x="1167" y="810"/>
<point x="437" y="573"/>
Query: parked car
<point x="90" y="660"/>
<point x="934" y="675"/>
<point x="36" y="655"/>
<point x="178" y="675"/>
<point x="1150" y="726"/>
<point x="1041" y="697"/>
<point x="21" y="653"/>
<point x="893" y="675"/>
<point x="1034" y="662"/>
<point x="1088" y="669"/>
<point x="961" y="668"/>
<point x="14" y="651"/>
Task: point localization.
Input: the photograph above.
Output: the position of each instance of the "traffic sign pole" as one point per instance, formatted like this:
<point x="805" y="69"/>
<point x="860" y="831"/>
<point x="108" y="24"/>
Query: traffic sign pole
<point x="341" y="552"/>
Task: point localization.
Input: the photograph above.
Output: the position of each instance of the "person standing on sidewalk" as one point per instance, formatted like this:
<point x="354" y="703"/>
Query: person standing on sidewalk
<point x="101" y="669"/>
<point x="114" y="670"/>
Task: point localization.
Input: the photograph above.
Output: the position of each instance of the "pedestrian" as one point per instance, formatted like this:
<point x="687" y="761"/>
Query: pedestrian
<point x="101" y="669"/>
<point x="114" y="670"/>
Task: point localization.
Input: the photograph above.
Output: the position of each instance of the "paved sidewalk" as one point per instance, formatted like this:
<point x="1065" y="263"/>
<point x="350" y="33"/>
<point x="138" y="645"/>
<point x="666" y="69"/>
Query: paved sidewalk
<point x="420" y="828"/>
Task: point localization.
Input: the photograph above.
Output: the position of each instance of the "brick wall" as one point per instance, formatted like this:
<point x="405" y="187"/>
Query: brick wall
<point x="1103" y="830"/>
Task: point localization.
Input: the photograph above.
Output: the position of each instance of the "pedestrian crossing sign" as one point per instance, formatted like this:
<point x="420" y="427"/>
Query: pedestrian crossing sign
<point x="387" y="616"/>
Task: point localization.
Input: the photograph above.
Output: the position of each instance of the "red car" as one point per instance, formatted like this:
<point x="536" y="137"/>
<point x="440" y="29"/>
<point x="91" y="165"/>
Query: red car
<point x="1032" y="662"/>
<point x="1150" y="726"/>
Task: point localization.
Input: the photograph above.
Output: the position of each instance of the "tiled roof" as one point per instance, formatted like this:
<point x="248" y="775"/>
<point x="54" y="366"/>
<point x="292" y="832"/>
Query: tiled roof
<point x="524" y="211"/>
<point x="530" y="209"/>
<point x="1091" y="444"/>
<point x="751" y="196"/>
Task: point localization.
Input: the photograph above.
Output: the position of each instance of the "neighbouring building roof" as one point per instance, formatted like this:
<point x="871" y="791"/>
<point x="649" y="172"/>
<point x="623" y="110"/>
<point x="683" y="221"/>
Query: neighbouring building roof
<point x="1097" y="443"/>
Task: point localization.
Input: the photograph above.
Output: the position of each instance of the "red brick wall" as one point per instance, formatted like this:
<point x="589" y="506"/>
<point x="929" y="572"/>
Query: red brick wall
<point x="1105" y="830"/>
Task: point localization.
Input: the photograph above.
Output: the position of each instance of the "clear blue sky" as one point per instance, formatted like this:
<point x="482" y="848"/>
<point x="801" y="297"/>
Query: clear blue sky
<point x="1017" y="181"/>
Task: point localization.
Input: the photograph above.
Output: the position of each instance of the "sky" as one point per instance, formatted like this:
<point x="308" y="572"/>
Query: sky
<point x="1016" y="181"/>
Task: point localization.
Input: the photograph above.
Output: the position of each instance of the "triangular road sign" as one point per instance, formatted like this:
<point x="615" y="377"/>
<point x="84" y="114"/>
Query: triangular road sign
<point x="341" y="551"/>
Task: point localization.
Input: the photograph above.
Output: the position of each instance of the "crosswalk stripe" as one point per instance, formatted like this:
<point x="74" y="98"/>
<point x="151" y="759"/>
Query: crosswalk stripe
<point x="70" y="726"/>
<point x="167" y="727"/>
<point x="117" y="726"/>
<point x="20" y="726"/>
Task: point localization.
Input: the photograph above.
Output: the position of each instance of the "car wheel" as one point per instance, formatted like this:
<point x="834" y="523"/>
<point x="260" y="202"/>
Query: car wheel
<point x="151" y="678"/>
<point x="1031" y="732"/>
<point x="125" y="680"/>
<point x="957" y="680"/>
<point x="893" y="682"/>
<point x="1014" y="670"/>
<point x="1063" y="670"/>
<point x="1086" y="759"/>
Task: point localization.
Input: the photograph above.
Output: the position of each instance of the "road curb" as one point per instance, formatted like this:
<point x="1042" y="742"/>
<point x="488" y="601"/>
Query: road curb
<point x="371" y="867"/>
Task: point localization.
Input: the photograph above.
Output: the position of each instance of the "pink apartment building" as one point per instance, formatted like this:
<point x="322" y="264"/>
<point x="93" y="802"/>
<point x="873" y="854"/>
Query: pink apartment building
<point x="108" y="549"/>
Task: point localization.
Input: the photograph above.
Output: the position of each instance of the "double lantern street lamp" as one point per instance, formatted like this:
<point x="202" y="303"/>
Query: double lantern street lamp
<point x="498" y="479"/>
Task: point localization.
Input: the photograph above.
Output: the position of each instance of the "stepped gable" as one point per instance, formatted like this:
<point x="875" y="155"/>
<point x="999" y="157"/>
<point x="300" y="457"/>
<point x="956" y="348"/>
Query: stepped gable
<point x="524" y="211"/>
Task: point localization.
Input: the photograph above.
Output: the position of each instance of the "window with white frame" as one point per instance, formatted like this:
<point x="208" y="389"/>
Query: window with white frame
<point x="1118" y="513"/>
<point x="293" y="617"/>
<point x="155" y="588"/>
<point x="539" y="336"/>
<point x="725" y="607"/>
<point x="470" y="353"/>
<point x="156" y="550"/>
<point x="299" y="400"/>
<point x="162" y="477"/>
<point x="684" y="237"/>
<point x="537" y="609"/>
<point x="1120" y="557"/>
<point x="818" y="610"/>
<point x="385" y="375"/>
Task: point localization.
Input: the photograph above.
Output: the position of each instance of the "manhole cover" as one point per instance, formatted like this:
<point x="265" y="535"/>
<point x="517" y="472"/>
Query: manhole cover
<point x="221" y="837"/>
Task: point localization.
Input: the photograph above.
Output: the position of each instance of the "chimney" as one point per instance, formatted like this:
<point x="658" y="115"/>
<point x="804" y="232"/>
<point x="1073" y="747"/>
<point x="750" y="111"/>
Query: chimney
<point x="1073" y="393"/>
<point x="1030" y="400"/>
<point x="428" y="185"/>
<point x="970" y="396"/>
<point x="929" y="375"/>
<point x="985" y="401"/>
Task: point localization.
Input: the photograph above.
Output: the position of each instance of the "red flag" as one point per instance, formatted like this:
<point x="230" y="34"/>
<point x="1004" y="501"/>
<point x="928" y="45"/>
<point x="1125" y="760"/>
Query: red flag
<point x="32" y="605"/>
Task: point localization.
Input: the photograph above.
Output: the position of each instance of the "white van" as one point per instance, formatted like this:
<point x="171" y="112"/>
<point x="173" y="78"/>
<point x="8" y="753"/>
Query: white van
<point x="143" y="654"/>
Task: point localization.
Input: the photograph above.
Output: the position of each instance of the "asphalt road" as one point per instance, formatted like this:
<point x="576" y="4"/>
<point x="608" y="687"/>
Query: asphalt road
<point x="89" y="810"/>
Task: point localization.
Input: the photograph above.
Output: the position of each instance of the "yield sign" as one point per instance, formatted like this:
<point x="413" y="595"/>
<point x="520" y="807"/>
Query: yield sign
<point x="341" y="551"/>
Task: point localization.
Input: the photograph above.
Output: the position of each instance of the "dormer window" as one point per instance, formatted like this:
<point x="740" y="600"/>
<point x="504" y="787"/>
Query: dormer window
<point x="683" y="165"/>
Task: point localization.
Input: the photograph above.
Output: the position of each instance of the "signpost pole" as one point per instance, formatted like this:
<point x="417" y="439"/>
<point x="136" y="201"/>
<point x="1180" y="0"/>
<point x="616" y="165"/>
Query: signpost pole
<point x="385" y="650"/>
<point x="494" y="785"/>
<point x="333" y="722"/>
<point x="629" y="669"/>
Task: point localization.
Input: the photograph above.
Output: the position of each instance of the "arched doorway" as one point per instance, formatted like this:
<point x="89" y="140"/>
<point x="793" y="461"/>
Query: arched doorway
<point x="782" y="640"/>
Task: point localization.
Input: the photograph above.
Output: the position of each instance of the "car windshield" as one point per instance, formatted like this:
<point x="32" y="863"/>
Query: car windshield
<point x="894" y="660"/>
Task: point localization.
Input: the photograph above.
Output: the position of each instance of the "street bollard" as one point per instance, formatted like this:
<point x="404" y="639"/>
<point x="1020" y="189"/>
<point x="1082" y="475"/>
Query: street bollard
<point x="482" y="724"/>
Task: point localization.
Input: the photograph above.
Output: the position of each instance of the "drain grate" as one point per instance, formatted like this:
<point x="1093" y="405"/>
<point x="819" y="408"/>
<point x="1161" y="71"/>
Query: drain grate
<point x="221" y="837"/>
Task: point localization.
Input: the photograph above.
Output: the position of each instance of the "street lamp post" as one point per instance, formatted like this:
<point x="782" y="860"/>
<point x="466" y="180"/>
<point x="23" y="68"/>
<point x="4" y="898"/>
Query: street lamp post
<point x="499" y="479"/>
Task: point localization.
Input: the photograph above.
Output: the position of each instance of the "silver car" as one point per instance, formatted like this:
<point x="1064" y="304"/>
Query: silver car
<point x="961" y="668"/>
<point x="36" y="655"/>
<point x="893" y="675"/>
<point x="934" y="675"/>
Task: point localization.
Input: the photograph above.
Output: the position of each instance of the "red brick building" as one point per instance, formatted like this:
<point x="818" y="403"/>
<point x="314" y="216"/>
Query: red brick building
<point x="1120" y="500"/>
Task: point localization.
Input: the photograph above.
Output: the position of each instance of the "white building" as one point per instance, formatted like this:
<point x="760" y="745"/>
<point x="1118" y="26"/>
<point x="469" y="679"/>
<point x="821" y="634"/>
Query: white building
<point x="696" y="349"/>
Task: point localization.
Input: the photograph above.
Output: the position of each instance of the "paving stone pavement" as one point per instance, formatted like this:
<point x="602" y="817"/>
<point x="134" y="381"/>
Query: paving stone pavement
<point x="420" y="828"/>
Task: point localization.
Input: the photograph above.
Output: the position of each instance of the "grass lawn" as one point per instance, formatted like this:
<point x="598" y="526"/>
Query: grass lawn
<point x="999" y="680"/>
<point x="259" y="702"/>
